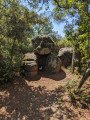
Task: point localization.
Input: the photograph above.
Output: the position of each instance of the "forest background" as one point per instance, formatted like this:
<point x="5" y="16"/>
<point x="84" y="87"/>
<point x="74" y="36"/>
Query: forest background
<point x="21" y="20"/>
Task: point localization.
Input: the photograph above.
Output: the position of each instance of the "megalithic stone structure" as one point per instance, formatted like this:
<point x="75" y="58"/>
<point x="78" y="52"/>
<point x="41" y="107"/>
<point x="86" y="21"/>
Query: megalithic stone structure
<point x="42" y="57"/>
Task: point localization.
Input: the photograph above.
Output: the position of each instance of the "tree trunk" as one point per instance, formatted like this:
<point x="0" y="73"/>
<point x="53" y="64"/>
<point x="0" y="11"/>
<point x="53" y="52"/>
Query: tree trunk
<point x="76" y="60"/>
<point x="73" y="60"/>
<point x="84" y="78"/>
<point x="11" y="59"/>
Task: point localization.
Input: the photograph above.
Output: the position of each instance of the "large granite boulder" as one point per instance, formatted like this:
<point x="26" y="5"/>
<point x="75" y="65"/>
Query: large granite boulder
<point x="29" y="66"/>
<point x="65" y="54"/>
<point x="43" y="44"/>
<point x="53" y="64"/>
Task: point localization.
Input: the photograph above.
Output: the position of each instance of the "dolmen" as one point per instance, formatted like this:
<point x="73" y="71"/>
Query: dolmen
<point x="42" y="58"/>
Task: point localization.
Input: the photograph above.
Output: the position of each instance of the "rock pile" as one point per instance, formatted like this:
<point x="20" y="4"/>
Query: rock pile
<point x="42" y="59"/>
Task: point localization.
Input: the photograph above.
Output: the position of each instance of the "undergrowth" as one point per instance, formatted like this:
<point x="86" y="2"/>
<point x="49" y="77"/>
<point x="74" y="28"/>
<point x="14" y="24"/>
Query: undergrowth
<point x="77" y="95"/>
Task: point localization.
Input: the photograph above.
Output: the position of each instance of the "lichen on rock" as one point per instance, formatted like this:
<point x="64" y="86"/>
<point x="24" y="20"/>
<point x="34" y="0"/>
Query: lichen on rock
<point x="43" y="44"/>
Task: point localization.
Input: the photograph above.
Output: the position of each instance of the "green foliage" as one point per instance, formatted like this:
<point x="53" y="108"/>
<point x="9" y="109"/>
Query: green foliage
<point x="69" y="68"/>
<point x="83" y="95"/>
<point x="64" y="43"/>
<point x="61" y="43"/>
<point x="16" y="29"/>
<point x="76" y="71"/>
<point x="77" y="94"/>
<point x="44" y="28"/>
<point x="70" y="85"/>
<point x="78" y="37"/>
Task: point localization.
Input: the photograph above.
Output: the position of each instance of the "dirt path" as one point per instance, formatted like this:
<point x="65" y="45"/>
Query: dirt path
<point x="41" y="98"/>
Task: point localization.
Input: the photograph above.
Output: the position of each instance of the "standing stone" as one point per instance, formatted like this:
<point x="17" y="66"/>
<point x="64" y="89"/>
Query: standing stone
<point x="42" y="59"/>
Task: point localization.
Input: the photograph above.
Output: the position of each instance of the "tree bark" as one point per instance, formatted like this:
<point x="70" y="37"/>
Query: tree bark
<point x="11" y="59"/>
<point x="76" y="60"/>
<point x="84" y="78"/>
<point x="73" y="60"/>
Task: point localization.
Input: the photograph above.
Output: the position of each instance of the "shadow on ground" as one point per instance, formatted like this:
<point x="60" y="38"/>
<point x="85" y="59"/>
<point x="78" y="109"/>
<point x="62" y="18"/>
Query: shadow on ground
<point x="57" y="77"/>
<point x="19" y="101"/>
